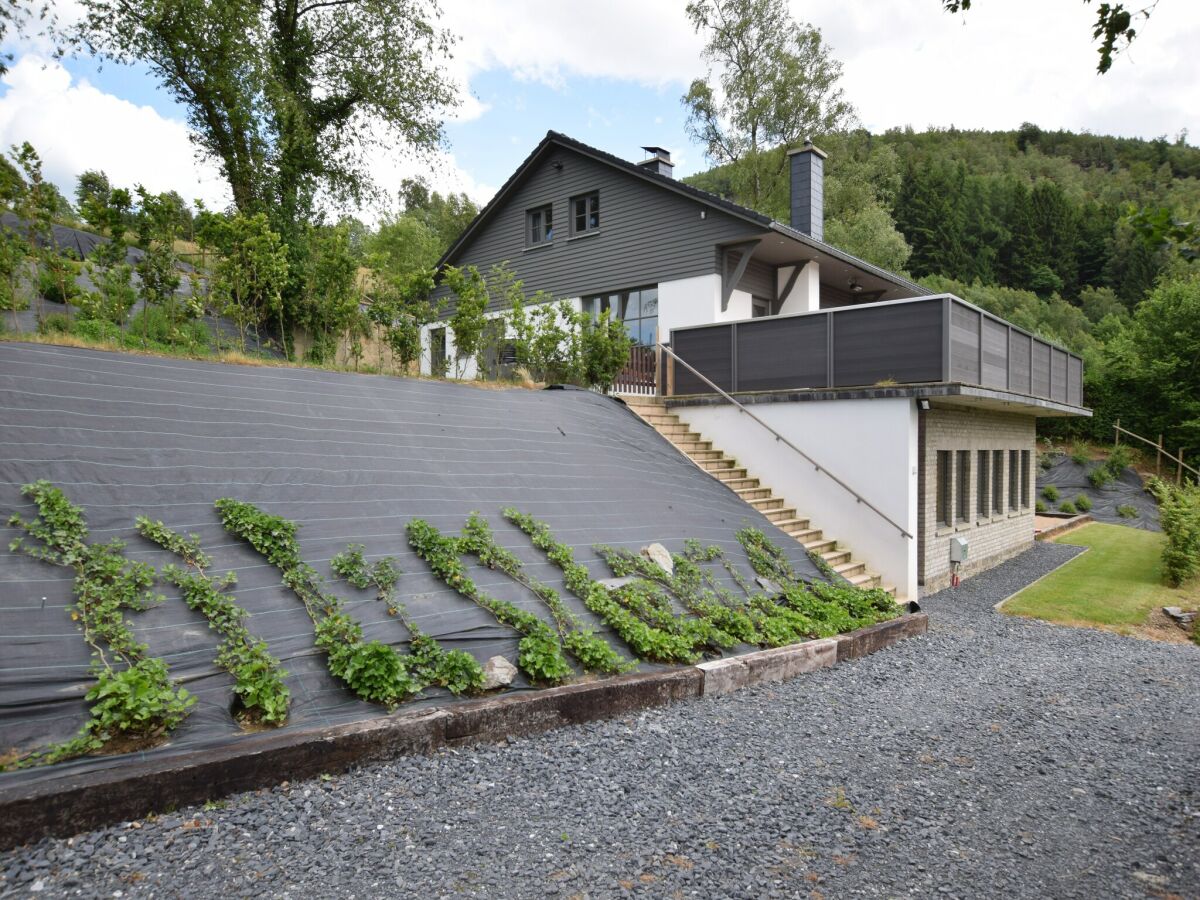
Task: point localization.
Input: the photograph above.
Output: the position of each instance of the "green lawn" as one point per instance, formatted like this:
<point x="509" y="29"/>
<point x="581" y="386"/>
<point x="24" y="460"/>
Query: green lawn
<point x="1114" y="585"/>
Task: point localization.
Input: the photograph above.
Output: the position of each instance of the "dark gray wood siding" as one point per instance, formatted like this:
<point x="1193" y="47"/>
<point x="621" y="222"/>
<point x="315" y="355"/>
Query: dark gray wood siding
<point x="758" y="280"/>
<point x="647" y="234"/>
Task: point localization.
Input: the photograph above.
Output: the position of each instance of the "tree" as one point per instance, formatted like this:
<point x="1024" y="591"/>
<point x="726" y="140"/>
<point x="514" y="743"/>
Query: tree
<point x="289" y="97"/>
<point x="469" y="319"/>
<point x="1054" y="225"/>
<point x="35" y="205"/>
<point x="771" y="82"/>
<point x="331" y="297"/>
<point x="107" y="211"/>
<point x="402" y="246"/>
<point x="400" y="308"/>
<point x="91" y="187"/>
<point x="157" y="226"/>
<point x="252" y="269"/>
<point x="446" y="217"/>
<point x="1113" y="29"/>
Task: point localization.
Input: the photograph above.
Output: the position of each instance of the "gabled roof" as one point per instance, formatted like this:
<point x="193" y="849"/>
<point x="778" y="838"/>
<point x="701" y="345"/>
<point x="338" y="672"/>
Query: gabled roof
<point x="554" y="138"/>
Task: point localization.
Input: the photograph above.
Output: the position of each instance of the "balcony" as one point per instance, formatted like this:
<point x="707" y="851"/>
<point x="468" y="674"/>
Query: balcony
<point x="934" y="342"/>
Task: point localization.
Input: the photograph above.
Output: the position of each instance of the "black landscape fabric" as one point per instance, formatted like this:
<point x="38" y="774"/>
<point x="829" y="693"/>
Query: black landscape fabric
<point x="352" y="458"/>
<point x="1071" y="479"/>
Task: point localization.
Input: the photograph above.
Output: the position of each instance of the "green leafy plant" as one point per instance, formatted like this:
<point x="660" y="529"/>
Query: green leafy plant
<point x="258" y="677"/>
<point x="1127" y="511"/>
<point x="1080" y="454"/>
<point x="427" y="662"/>
<point x="1067" y="507"/>
<point x="1179" y="514"/>
<point x="134" y="697"/>
<point x="539" y="653"/>
<point x="363" y="665"/>
<point x="646" y="641"/>
<point x="580" y="640"/>
<point x="1039" y="506"/>
<point x="1083" y="503"/>
<point x="1050" y="493"/>
<point x="1100" y="477"/>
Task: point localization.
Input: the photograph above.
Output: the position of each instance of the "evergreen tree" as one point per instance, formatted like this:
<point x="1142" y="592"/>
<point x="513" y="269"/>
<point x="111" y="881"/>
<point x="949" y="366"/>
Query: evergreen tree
<point x="1054" y="228"/>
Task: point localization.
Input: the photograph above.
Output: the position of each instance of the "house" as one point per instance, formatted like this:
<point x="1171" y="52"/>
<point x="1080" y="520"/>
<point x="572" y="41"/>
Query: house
<point x="903" y="422"/>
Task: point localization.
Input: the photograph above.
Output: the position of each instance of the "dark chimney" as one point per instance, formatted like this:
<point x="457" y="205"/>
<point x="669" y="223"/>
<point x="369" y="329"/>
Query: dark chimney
<point x="808" y="190"/>
<point x="659" y="161"/>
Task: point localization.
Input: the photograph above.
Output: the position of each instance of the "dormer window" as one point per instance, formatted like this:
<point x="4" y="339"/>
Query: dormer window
<point x="585" y="213"/>
<point x="539" y="225"/>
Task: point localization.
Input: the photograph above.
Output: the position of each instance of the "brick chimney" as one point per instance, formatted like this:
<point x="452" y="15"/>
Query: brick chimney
<point x="808" y="190"/>
<point x="659" y="161"/>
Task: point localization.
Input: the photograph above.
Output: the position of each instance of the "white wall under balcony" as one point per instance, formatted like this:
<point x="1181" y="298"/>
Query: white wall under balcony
<point x="871" y="445"/>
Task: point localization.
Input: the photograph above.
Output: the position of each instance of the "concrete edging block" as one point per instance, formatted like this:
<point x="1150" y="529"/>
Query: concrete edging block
<point x="724" y="676"/>
<point x="868" y="640"/>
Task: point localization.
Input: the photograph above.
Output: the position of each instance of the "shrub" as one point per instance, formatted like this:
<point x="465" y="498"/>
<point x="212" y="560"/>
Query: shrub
<point x="1083" y="503"/>
<point x="1100" y="477"/>
<point x="1067" y="507"/>
<point x="1127" y="511"/>
<point x="1039" y="506"/>
<point x="99" y="330"/>
<point x="1119" y="459"/>
<point x="1050" y="492"/>
<point x="1179" y="513"/>
<point x="55" y="323"/>
<point x="1080" y="455"/>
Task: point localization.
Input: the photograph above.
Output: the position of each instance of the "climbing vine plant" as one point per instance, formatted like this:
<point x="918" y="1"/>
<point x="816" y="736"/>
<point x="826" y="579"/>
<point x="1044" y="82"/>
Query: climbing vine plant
<point x="258" y="682"/>
<point x="134" y="697"/>
<point x="371" y="669"/>
<point x="593" y="652"/>
<point x="428" y="662"/>
<point x="539" y="653"/>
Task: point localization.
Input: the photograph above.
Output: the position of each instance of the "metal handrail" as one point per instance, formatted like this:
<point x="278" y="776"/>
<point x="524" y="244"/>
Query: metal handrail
<point x="779" y="437"/>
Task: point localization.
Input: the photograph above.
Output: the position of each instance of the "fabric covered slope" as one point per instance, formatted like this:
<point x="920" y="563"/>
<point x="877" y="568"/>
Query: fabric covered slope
<point x="352" y="459"/>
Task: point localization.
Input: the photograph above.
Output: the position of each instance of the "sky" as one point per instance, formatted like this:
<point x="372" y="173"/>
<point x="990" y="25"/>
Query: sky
<point x="611" y="74"/>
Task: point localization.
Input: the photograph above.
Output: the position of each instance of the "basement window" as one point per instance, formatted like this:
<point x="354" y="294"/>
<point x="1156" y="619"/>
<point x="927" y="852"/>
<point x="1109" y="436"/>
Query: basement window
<point x="944" y="487"/>
<point x="585" y="213"/>
<point x="963" y="485"/>
<point x="1025" y="479"/>
<point x="539" y="225"/>
<point x="983" y="490"/>
<point x="1014" y="465"/>
<point x="997" y="482"/>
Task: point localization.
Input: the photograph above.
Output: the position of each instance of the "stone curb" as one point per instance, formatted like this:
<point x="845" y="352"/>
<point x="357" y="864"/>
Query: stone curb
<point x="1063" y="527"/>
<point x="88" y="800"/>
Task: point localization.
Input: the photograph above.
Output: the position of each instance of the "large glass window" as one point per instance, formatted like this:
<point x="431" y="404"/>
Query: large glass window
<point x="983" y="492"/>
<point x="1024" y="479"/>
<point x="637" y="309"/>
<point x="585" y="212"/>
<point x="539" y="225"/>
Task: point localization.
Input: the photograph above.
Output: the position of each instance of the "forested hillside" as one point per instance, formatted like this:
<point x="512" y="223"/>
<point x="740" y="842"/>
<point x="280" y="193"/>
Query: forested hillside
<point x="1039" y="227"/>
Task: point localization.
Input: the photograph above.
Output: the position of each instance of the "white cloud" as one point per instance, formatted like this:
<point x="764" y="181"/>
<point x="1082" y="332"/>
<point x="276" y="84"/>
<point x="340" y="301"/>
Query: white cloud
<point x="74" y="126"/>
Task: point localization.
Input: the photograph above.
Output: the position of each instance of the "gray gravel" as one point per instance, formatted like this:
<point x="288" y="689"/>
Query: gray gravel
<point x="994" y="757"/>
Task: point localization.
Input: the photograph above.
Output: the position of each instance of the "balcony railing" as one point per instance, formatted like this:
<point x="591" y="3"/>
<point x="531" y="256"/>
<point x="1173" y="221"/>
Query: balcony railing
<point x="928" y="340"/>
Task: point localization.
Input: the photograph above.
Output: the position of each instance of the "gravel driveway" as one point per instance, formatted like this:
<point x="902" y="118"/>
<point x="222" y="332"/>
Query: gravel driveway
<point x="994" y="757"/>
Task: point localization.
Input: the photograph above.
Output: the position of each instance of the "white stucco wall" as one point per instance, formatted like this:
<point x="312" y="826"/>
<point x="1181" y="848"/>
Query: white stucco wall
<point x="805" y="295"/>
<point x="869" y="444"/>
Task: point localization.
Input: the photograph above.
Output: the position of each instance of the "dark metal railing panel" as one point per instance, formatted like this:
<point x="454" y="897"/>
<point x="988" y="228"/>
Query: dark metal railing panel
<point x="711" y="351"/>
<point x="776" y="355"/>
<point x="1058" y="375"/>
<point x="902" y="344"/>
<point x="937" y="339"/>
<point x="995" y="354"/>
<point x="1020" y="359"/>
<point x="1075" y="381"/>
<point x="1039" y="378"/>
<point x="964" y="344"/>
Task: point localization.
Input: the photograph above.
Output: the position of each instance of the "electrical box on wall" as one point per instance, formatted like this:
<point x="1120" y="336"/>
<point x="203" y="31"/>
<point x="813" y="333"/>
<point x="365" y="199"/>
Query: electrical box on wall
<point x="958" y="549"/>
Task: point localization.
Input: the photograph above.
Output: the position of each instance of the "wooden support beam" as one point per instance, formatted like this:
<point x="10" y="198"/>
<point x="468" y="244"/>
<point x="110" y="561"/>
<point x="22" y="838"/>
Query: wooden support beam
<point x="791" y="283"/>
<point x="728" y="281"/>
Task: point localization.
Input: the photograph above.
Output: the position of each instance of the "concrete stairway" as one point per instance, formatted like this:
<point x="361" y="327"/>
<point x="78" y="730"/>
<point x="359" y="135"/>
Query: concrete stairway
<point x="726" y="470"/>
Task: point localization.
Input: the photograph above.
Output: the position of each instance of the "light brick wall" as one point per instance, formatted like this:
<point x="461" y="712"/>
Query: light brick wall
<point x="1001" y="534"/>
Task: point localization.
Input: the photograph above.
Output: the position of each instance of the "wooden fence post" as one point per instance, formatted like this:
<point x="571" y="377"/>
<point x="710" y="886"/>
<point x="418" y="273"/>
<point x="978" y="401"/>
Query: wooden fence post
<point x="1179" y="467"/>
<point x="1158" y="460"/>
<point x="1117" y="433"/>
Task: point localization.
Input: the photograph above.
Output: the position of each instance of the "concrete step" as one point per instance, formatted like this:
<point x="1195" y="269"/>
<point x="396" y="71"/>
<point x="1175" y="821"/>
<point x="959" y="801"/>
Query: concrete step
<point x="732" y="473"/>
<point x="762" y="504"/>
<point x="707" y="455"/>
<point x="865" y="580"/>
<point x="739" y="484"/>
<point x="850" y="568"/>
<point x="835" y="558"/>
<point x="645" y="405"/>
<point x="691" y="447"/>
<point x="753" y="493"/>
<point x="803" y="533"/>
<point x="820" y="545"/>
<point x="723" y="463"/>
<point x="781" y="514"/>
<point x="657" y="419"/>
<point x="672" y="430"/>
